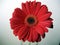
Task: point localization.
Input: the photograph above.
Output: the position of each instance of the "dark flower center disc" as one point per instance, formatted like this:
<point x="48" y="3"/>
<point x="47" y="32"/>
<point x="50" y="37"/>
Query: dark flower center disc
<point x="31" y="20"/>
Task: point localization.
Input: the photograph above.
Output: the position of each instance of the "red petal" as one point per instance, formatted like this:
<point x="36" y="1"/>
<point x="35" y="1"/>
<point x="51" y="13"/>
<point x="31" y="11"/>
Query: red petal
<point x="45" y="17"/>
<point x="21" y="32"/>
<point x="18" y="13"/>
<point x="24" y="8"/>
<point x="28" y="8"/>
<point x="15" y="22"/>
<point x="39" y="30"/>
<point x="15" y="31"/>
<point x="50" y="19"/>
<point x="43" y="36"/>
<point x="37" y="7"/>
<point x="44" y="28"/>
<point x="51" y="26"/>
<point x="26" y="36"/>
<point x="39" y="38"/>
<point x="33" y="7"/>
<point x="30" y="36"/>
<point x="14" y="26"/>
<point x="47" y="23"/>
<point x="43" y="10"/>
<point x="35" y="35"/>
<point x="17" y="18"/>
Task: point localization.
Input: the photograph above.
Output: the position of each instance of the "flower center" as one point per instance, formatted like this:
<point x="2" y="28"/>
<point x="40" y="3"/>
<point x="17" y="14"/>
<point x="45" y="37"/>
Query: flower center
<point x="30" y="20"/>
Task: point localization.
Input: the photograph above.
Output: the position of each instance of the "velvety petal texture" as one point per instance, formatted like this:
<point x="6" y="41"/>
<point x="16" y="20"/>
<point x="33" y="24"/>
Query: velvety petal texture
<point x="41" y="19"/>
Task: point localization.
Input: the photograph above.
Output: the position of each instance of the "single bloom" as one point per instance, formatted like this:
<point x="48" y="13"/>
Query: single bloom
<point x="31" y="22"/>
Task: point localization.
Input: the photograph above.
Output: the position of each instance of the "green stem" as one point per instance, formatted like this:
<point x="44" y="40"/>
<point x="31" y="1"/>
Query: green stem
<point x="36" y="43"/>
<point x="21" y="42"/>
<point x="29" y="43"/>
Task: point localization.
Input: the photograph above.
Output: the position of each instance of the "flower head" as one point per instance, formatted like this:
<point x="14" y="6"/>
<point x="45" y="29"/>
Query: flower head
<point x="31" y="22"/>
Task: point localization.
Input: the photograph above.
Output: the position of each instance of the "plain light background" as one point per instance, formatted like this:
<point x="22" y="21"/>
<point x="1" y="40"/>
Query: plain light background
<point x="6" y="34"/>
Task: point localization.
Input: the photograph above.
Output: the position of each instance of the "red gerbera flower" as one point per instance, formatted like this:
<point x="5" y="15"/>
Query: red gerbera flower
<point x="31" y="22"/>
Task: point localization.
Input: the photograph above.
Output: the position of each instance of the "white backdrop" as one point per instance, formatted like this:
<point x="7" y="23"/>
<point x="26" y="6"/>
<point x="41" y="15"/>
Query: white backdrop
<point x="6" y="35"/>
